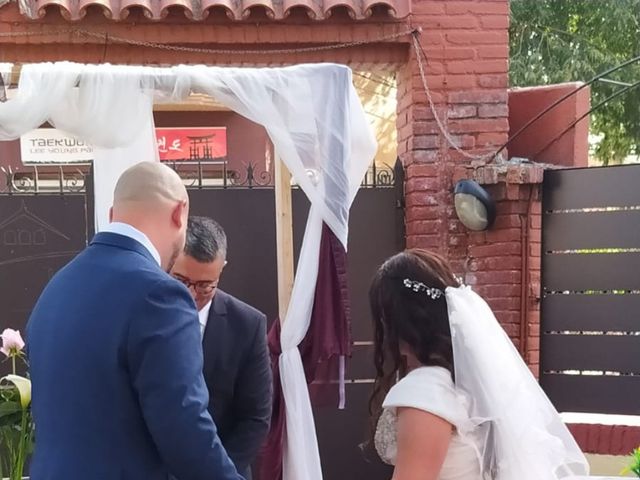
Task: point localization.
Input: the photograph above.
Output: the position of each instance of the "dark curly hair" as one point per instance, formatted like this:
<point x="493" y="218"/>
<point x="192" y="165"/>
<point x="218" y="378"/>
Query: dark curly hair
<point x="404" y="320"/>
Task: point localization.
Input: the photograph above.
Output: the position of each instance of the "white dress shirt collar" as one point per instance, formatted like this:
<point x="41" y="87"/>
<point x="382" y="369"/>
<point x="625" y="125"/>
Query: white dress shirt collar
<point x="128" y="231"/>
<point x="203" y="316"/>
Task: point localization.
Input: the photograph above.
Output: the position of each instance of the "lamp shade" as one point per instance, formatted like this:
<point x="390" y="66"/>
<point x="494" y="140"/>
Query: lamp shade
<point x="474" y="206"/>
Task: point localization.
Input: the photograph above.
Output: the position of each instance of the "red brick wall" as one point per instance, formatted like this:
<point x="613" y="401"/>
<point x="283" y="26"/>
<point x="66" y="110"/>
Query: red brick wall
<point x="535" y="251"/>
<point x="496" y="260"/>
<point x="211" y="33"/>
<point x="606" y="439"/>
<point x="466" y="43"/>
<point x="572" y="149"/>
<point x="503" y="263"/>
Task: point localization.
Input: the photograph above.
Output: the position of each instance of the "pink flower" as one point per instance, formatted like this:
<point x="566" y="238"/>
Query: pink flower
<point x="12" y="343"/>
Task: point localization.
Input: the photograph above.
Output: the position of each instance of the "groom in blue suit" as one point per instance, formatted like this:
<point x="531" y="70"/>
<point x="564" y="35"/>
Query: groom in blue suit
<point x="115" y="351"/>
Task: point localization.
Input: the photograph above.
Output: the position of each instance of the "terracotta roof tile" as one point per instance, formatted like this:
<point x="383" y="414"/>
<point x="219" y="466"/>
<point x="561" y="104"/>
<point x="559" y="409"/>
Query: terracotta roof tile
<point x="117" y="10"/>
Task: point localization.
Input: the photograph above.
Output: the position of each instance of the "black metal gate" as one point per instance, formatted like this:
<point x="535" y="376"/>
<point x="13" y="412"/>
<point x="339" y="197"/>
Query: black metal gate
<point x="590" y="324"/>
<point x="375" y="232"/>
<point x="46" y="217"/>
<point x="43" y="225"/>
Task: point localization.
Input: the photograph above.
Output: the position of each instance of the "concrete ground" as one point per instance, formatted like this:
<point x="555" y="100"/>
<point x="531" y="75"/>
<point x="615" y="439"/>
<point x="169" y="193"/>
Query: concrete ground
<point x="607" y="465"/>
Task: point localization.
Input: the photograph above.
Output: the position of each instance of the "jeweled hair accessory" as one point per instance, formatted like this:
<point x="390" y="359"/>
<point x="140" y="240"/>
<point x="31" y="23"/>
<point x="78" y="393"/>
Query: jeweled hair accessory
<point x="432" y="292"/>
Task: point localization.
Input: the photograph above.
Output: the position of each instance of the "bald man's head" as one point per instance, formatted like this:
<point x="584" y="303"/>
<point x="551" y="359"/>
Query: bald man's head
<point x="149" y="182"/>
<point x="152" y="198"/>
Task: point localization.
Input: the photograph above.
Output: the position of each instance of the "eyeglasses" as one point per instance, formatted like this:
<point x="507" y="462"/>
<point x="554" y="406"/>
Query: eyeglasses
<point x="201" y="288"/>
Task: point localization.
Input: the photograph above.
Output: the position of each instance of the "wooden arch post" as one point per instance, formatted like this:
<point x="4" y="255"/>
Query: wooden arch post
<point x="284" y="236"/>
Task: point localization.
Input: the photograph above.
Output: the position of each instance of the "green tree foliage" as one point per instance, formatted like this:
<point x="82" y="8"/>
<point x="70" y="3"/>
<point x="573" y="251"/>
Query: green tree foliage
<point x="554" y="41"/>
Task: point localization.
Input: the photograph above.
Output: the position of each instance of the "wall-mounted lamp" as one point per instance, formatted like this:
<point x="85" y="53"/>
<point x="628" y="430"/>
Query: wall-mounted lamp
<point x="474" y="206"/>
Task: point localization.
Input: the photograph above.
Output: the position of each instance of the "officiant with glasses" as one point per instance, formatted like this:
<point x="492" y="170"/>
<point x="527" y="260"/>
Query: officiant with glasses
<point x="237" y="367"/>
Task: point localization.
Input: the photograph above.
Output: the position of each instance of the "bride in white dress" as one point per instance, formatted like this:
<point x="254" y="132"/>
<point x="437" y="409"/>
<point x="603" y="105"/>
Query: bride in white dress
<point x="464" y="405"/>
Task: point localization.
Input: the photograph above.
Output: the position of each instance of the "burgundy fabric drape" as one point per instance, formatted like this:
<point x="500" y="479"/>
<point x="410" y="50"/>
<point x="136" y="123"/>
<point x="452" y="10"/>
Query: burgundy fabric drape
<point x="328" y="338"/>
<point x="270" y="459"/>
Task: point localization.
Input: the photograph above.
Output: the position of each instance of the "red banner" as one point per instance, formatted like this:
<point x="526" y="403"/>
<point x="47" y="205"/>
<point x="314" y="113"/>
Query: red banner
<point x="201" y="143"/>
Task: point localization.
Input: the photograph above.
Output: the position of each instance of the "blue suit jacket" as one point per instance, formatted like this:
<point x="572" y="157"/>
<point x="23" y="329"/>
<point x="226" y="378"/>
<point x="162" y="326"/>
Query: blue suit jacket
<point x="116" y="363"/>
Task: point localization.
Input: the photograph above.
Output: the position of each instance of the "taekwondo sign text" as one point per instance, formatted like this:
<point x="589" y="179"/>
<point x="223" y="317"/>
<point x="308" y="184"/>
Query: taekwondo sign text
<point x="48" y="145"/>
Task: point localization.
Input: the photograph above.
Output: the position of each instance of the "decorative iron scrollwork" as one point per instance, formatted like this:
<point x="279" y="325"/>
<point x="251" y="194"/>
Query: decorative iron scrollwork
<point x="217" y="174"/>
<point x="251" y="179"/>
<point x="191" y="177"/>
<point x="48" y="179"/>
<point x="379" y="177"/>
<point x="23" y="183"/>
<point x="74" y="182"/>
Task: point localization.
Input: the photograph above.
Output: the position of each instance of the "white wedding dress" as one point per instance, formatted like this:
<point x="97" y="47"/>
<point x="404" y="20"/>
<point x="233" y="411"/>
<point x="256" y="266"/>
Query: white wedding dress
<point x="431" y="389"/>
<point x="505" y="426"/>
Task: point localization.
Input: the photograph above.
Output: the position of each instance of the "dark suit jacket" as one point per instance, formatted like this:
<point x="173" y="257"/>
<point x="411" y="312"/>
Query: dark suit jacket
<point x="116" y="364"/>
<point x="237" y="371"/>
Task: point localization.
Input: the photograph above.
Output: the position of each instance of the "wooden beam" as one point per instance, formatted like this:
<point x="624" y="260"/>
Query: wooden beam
<point x="14" y="76"/>
<point x="284" y="236"/>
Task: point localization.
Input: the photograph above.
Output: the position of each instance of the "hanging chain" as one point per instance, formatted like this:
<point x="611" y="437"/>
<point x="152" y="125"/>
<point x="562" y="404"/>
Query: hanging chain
<point x="37" y="33"/>
<point x="213" y="51"/>
<point x="420" y="55"/>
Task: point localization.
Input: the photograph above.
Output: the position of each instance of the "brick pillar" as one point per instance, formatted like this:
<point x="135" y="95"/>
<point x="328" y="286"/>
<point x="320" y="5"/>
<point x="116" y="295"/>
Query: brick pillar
<point x="466" y="42"/>
<point x="467" y="47"/>
<point x="535" y="250"/>
<point x="503" y="263"/>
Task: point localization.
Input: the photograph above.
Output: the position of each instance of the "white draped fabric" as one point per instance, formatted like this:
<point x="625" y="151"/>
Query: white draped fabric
<point x="313" y="117"/>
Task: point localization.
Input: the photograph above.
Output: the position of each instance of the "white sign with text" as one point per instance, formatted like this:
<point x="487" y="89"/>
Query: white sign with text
<point x="49" y="145"/>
